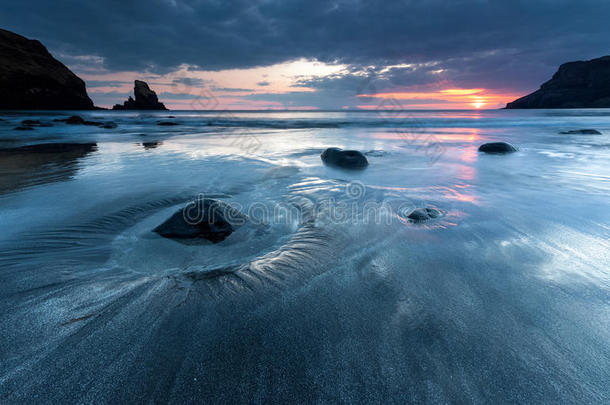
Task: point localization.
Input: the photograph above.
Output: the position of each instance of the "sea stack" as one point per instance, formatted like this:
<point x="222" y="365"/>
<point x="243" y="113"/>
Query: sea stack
<point x="575" y="85"/>
<point x="146" y="99"/>
<point x="32" y="79"/>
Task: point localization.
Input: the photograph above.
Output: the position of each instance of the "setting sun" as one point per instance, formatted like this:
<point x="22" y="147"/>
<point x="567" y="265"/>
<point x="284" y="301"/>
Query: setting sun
<point x="447" y="98"/>
<point x="478" y="103"/>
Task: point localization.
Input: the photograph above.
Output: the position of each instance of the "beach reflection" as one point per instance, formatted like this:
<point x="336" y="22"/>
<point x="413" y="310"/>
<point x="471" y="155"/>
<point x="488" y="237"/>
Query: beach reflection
<point x="40" y="164"/>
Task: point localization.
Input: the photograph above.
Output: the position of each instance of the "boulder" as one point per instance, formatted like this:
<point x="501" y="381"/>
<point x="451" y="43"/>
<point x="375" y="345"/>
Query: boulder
<point x="31" y="79"/>
<point x="583" y="84"/>
<point x="146" y="99"/>
<point x="205" y="218"/>
<point x="497" y="148"/>
<point x="582" y="132"/>
<point x="151" y="145"/>
<point x="423" y="214"/>
<point x="346" y="159"/>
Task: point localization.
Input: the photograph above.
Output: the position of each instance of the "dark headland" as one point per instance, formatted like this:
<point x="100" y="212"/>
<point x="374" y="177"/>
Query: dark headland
<point x="31" y="79"/>
<point x="574" y="85"/>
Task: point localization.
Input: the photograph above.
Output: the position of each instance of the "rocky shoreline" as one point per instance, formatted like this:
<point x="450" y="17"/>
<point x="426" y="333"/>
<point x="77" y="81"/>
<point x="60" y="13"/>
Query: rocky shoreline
<point x="32" y="79"/>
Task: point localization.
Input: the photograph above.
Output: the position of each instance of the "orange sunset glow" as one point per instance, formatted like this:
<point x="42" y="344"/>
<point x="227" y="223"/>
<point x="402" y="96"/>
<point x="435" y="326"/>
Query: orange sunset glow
<point x="447" y="98"/>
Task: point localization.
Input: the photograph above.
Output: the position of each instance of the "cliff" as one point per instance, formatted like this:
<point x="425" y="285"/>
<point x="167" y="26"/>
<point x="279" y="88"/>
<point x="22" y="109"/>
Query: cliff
<point x="575" y="85"/>
<point x="31" y="79"/>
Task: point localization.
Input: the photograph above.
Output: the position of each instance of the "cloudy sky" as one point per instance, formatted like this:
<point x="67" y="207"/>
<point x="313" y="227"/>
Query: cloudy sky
<point x="288" y="54"/>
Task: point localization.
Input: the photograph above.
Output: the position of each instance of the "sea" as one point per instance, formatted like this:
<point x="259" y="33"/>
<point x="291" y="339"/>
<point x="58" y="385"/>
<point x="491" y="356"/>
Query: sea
<point x="329" y="292"/>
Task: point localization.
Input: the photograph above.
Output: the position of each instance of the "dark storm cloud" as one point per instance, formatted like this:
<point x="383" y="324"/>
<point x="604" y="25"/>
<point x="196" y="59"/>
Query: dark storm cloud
<point x="526" y="39"/>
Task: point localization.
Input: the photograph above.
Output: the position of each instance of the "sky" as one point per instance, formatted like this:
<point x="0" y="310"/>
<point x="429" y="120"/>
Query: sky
<point x="297" y="54"/>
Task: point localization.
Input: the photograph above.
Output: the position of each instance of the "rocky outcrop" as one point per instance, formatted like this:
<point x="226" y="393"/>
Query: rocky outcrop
<point x="77" y="120"/>
<point x="346" y="159"/>
<point x="497" y="148"/>
<point x="575" y="85"/>
<point x="205" y="218"/>
<point x="423" y="214"/>
<point x="146" y="99"/>
<point x="581" y="132"/>
<point x="31" y="79"/>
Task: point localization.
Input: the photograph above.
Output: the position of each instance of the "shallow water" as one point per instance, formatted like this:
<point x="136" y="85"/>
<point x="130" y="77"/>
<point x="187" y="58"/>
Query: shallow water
<point x="329" y="294"/>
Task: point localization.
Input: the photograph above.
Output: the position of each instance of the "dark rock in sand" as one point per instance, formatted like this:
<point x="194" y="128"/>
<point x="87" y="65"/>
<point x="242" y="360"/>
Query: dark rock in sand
<point x="423" y="214"/>
<point x="24" y="129"/>
<point x="575" y="85"/>
<point x="582" y="132"/>
<point x="151" y="145"/>
<point x="346" y="159"/>
<point x="146" y="99"/>
<point x="497" y="148"/>
<point x="208" y="219"/>
<point x="31" y="79"/>
<point x="167" y="123"/>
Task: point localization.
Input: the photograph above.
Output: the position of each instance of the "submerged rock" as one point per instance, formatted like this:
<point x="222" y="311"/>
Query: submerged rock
<point x="423" y="214"/>
<point x="582" y="132"/>
<point x="146" y="99"/>
<point x="167" y="123"/>
<point x="346" y="159"/>
<point x="208" y="219"/>
<point x="497" y="148"/>
<point x="35" y="123"/>
<point x="24" y="128"/>
<point x="77" y="120"/>
<point x="31" y="79"/>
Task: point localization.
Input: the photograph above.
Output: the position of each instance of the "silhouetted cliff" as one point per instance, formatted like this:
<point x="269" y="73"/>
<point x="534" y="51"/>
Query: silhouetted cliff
<point x="575" y="85"/>
<point x="31" y="79"/>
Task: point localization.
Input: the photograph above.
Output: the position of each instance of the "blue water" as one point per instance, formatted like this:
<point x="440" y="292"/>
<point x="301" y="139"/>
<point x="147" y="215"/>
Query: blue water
<point x="329" y="294"/>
